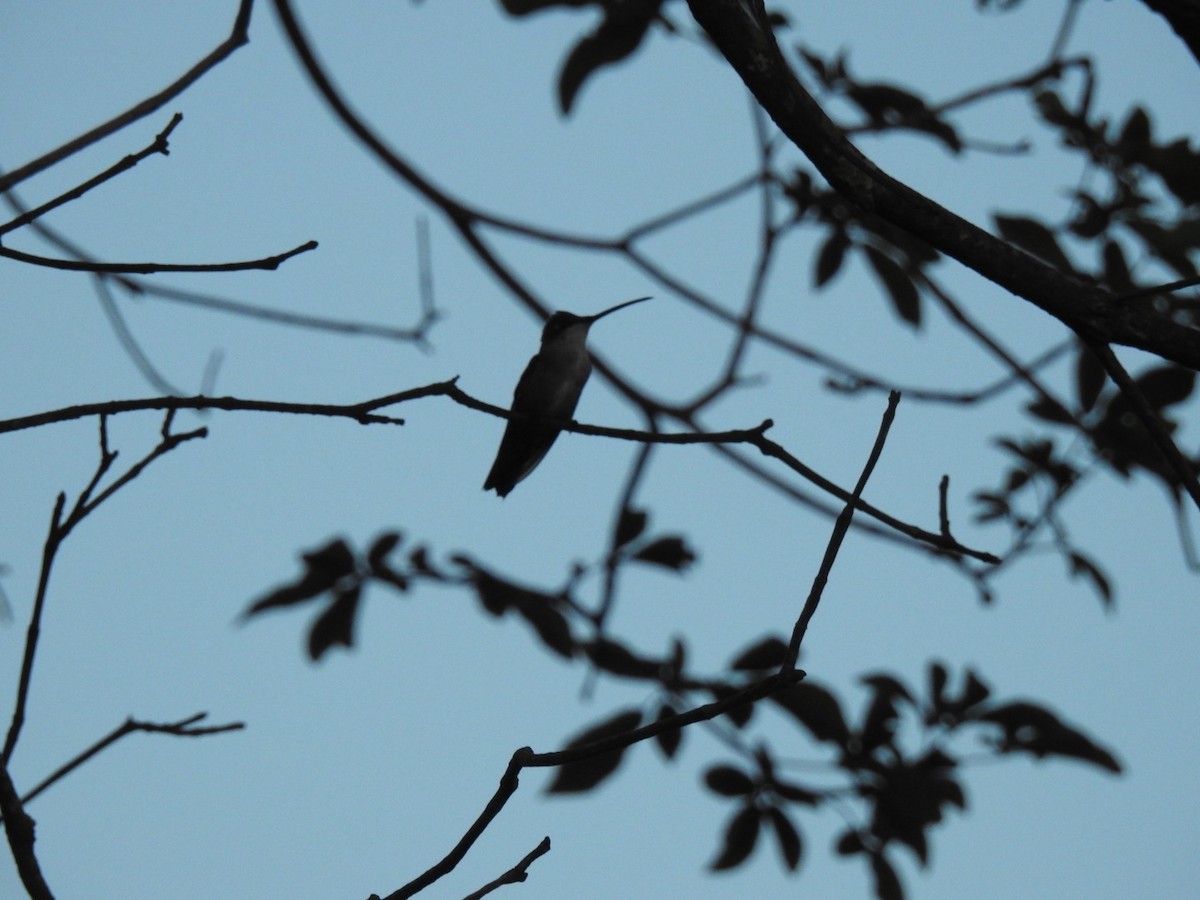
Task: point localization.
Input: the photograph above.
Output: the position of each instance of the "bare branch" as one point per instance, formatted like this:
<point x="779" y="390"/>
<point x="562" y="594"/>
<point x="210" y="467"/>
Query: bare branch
<point x="183" y="728"/>
<point x="159" y="145"/>
<point x="75" y="265"/>
<point x="526" y="758"/>
<point x="237" y="37"/>
<point x="841" y="526"/>
<point x="748" y="44"/>
<point x="516" y="874"/>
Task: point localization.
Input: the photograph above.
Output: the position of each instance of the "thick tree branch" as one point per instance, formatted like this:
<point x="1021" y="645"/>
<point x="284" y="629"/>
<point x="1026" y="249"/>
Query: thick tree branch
<point x="740" y="32"/>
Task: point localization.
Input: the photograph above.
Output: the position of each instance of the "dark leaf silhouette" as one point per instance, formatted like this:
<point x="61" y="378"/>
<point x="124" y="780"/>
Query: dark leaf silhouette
<point x="787" y="836"/>
<point x="909" y="797"/>
<point x="879" y="725"/>
<point x="618" y="660"/>
<point x="323" y="569"/>
<point x="740" y="836"/>
<point x="887" y="882"/>
<point x="631" y="525"/>
<point x="1081" y="565"/>
<point x="587" y="773"/>
<point x="382" y="547"/>
<point x="668" y="741"/>
<point x="669" y="552"/>
<point x="498" y="595"/>
<point x="336" y="624"/>
<point x="1165" y="386"/>
<point x="899" y="286"/>
<point x="1089" y="377"/>
<point x="1050" y="410"/>
<point x="1178" y="165"/>
<point x="550" y="624"/>
<point x="1134" y="140"/>
<point x="377" y="560"/>
<point x="768" y="653"/>
<point x="739" y="715"/>
<point x="1029" y="728"/>
<point x="616" y="37"/>
<point x="728" y="781"/>
<point x="849" y="843"/>
<point x="830" y="257"/>
<point x="817" y="709"/>
<point x="1033" y="237"/>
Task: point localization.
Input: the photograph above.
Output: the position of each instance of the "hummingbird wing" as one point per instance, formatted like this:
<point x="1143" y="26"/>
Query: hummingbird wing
<point x="541" y="390"/>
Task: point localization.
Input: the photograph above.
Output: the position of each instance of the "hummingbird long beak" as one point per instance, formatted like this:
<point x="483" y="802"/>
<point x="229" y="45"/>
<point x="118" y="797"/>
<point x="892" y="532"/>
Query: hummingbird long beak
<point x="601" y="315"/>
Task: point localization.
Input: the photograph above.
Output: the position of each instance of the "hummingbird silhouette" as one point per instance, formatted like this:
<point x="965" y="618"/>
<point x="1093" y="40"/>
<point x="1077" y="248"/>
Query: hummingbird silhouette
<point x="549" y="389"/>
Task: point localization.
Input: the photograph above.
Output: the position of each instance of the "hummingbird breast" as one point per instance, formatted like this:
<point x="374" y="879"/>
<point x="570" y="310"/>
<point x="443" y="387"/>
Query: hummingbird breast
<point x="550" y="387"/>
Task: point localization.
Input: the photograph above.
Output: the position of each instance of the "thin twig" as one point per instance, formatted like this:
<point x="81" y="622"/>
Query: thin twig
<point x="159" y="145"/>
<point x="182" y="728"/>
<point x="527" y="758"/>
<point x="237" y="37"/>
<point x="835" y="539"/>
<point x="60" y="529"/>
<point x="516" y="874"/>
<point x="145" y="268"/>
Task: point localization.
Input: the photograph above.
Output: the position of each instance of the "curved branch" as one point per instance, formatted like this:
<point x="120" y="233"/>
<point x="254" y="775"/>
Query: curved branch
<point x="237" y="37"/>
<point x="746" y="41"/>
<point x="76" y="265"/>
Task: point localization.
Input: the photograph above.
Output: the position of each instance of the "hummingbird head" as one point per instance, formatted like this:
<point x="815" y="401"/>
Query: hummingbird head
<point x="562" y="322"/>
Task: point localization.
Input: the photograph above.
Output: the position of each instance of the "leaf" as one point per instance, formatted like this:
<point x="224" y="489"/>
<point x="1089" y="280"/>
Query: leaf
<point x="1089" y="377"/>
<point x="905" y="298"/>
<point x="787" y="836"/>
<point x="796" y="793"/>
<point x="880" y="723"/>
<point x="382" y="547"/>
<point x="497" y="595"/>
<point x="1081" y="565"/>
<point x="616" y="659"/>
<point x="817" y="709"/>
<point x="1050" y="410"/>
<point x="1033" y="237"/>
<point x="849" y="843"/>
<point x="668" y="741"/>
<point x="615" y="38"/>
<point x="1050" y="107"/>
<point x="631" y="525"/>
<point x="1117" y="276"/>
<point x="1033" y="729"/>
<point x="830" y="257"/>
<point x="548" y="622"/>
<point x="1178" y="165"/>
<point x="669" y="552"/>
<point x="324" y="568"/>
<point x="1134" y="139"/>
<point x="739" y="715"/>
<point x="728" y="781"/>
<point x="1167" y="385"/>
<point x="377" y="560"/>
<point x="887" y="882"/>
<point x="336" y="624"/>
<point x="740" y="836"/>
<point x="524" y="7"/>
<point x="768" y="653"/>
<point x="577" y="777"/>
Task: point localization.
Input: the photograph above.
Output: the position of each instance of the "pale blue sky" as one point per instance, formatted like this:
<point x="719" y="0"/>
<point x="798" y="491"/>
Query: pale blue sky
<point x="356" y="774"/>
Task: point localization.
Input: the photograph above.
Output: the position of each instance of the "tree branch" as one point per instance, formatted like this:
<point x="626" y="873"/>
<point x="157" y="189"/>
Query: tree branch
<point x="746" y="41"/>
<point x="238" y="36"/>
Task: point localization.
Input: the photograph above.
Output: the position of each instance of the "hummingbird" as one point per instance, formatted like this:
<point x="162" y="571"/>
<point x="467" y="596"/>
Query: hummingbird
<point x="549" y="388"/>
